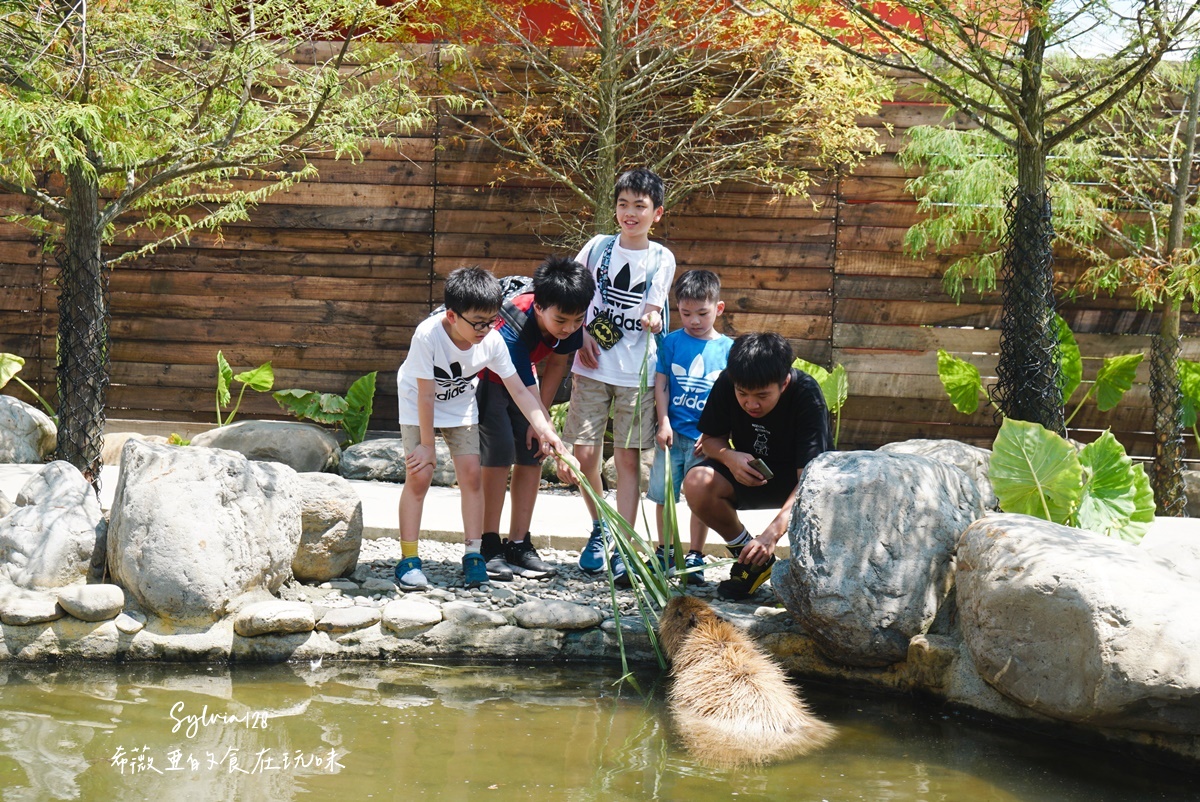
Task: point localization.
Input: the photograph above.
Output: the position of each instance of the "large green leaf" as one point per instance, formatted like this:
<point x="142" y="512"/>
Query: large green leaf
<point x="1189" y="385"/>
<point x="224" y="379"/>
<point x="961" y="380"/>
<point x="816" y="371"/>
<point x="361" y="400"/>
<point x="1071" y="370"/>
<point x="311" y="405"/>
<point x="1143" y="507"/>
<point x="10" y="365"/>
<point x="836" y="389"/>
<point x="1035" y="472"/>
<point x="1114" y="379"/>
<point x="1108" y="493"/>
<point x="262" y="378"/>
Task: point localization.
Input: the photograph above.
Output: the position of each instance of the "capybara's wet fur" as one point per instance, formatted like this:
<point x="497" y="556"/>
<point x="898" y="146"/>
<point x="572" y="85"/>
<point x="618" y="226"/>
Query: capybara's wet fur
<point x="731" y="703"/>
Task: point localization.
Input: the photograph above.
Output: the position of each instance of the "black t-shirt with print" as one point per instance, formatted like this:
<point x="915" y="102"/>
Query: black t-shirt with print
<point x="787" y="438"/>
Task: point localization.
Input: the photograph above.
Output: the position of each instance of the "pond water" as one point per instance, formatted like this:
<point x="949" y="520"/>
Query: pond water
<point x="355" y="731"/>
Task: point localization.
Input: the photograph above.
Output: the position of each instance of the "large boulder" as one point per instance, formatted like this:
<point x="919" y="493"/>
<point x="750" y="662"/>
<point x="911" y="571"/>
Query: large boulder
<point x="609" y="471"/>
<point x="194" y="528"/>
<point x="973" y="460"/>
<point x="27" y="435"/>
<point x="304" y="447"/>
<point x="50" y="538"/>
<point x="1079" y="626"/>
<point x="872" y="538"/>
<point x="379" y="460"/>
<point x="331" y="518"/>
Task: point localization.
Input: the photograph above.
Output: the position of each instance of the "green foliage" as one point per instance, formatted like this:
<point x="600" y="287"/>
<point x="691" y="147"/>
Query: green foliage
<point x="10" y="365"/>
<point x="161" y="104"/>
<point x="1115" y="377"/>
<point x="1189" y="386"/>
<point x="260" y="379"/>
<point x="351" y="412"/>
<point x="558" y="415"/>
<point x="1036" y="472"/>
<point x="835" y="386"/>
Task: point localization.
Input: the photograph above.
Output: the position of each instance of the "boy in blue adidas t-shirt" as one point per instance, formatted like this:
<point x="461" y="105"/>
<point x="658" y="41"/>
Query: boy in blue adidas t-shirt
<point x="689" y="360"/>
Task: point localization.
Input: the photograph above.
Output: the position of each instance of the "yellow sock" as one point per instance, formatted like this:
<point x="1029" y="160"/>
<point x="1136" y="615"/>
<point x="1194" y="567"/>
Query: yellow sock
<point x="408" y="548"/>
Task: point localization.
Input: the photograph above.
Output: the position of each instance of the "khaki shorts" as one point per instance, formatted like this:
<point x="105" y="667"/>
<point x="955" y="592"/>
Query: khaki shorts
<point x="588" y="416"/>
<point x="462" y="440"/>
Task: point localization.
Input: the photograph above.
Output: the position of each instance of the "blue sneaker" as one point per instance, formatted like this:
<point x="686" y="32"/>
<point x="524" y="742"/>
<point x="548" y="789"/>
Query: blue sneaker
<point x="694" y="559"/>
<point x="619" y="572"/>
<point x="409" y="576"/>
<point x="591" y="558"/>
<point x="474" y="569"/>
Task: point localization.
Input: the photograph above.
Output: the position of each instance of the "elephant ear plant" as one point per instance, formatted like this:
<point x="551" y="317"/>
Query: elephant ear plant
<point x="260" y="378"/>
<point x="834" y="386"/>
<point x="10" y="365"/>
<point x="352" y="412"/>
<point x="1036" y="472"/>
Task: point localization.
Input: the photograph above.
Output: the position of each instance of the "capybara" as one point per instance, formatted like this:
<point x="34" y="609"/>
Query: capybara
<point x="731" y="703"/>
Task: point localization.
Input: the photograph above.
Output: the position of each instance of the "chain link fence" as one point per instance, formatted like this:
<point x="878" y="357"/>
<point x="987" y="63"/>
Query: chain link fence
<point x="1166" y="476"/>
<point x="83" y="359"/>
<point x="1027" y="374"/>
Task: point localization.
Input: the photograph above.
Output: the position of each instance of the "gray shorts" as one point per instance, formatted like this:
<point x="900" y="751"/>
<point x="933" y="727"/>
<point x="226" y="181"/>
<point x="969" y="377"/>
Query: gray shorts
<point x="502" y="428"/>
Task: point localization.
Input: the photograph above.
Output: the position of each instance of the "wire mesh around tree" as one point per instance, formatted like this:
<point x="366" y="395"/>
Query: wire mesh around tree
<point x="83" y="360"/>
<point x="1027" y="373"/>
<point x="1166" y="475"/>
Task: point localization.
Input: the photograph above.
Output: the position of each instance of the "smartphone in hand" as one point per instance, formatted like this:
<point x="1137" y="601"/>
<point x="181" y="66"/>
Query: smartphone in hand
<point x="761" y="467"/>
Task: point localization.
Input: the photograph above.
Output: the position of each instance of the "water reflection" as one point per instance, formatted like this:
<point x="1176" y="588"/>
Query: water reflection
<point x="362" y="731"/>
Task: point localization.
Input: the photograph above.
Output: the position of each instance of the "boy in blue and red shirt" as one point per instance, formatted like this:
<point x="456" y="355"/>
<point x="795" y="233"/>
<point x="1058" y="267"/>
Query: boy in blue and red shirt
<point x="545" y="324"/>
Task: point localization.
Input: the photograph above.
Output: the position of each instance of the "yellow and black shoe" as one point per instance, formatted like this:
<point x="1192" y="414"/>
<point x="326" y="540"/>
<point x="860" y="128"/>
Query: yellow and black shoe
<point x="744" y="580"/>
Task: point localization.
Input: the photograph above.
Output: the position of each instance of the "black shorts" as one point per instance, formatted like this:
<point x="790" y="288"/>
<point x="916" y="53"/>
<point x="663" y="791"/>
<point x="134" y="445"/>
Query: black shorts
<point x="502" y="428"/>
<point x="770" y="496"/>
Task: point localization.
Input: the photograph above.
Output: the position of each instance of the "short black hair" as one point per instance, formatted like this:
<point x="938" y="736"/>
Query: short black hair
<point x="561" y="281"/>
<point x="759" y="360"/>
<point x="641" y="181"/>
<point x="472" y="289"/>
<point x="698" y="285"/>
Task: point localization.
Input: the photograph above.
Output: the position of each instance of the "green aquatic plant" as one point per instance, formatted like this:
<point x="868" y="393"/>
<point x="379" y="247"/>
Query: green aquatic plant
<point x="835" y="386"/>
<point x="351" y="412"/>
<point x="260" y="378"/>
<point x="965" y="387"/>
<point x="1037" y="472"/>
<point x="10" y="365"/>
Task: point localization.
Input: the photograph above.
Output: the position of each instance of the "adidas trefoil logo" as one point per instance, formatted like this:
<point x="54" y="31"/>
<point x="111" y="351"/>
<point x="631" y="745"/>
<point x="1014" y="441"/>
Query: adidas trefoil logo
<point x="621" y="295"/>
<point x="452" y="384"/>
<point x="694" y="382"/>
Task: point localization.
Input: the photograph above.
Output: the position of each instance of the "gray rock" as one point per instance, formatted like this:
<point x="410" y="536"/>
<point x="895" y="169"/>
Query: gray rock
<point x="443" y="472"/>
<point x="331" y="517"/>
<point x="304" y="447"/>
<point x="110" y="453"/>
<point x="193" y="528"/>
<point x="972" y="460"/>
<point x="6" y="505"/>
<point x="872" y="538"/>
<point x="92" y="602"/>
<point x="409" y="617"/>
<point x="274" y="617"/>
<point x="468" y="615"/>
<point x="51" y="537"/>
<point x="344" y="585"/>
<point x="27" y="435"/>
<point x="347" y="619"/>
<point x="20" y="608"/>
<point x="1175" y="541"/>
<point x="552" y="614"/>
<point x="374" y="460"/>
<point x="131" y="622"/>
<point x="1080" y="627"/>
<point x="1191" y="487"/>
<point x="376" y="585"/>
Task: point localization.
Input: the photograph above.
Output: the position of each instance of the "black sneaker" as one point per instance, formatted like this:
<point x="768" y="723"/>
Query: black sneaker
<point x="493" y="551"/>
<point x="744" y="580"/>
<point x="523" y="558"/>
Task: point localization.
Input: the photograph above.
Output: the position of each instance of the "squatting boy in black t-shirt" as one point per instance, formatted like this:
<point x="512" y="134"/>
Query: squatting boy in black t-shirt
<point x="769" y="411"/>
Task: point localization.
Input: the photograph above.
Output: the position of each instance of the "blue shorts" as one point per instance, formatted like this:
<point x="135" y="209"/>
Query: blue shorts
<point x="682" y="459"/>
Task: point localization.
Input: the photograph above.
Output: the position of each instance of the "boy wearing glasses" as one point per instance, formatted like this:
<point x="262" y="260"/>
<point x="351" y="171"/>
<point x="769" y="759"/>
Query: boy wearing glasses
<point x="436" y="386"/>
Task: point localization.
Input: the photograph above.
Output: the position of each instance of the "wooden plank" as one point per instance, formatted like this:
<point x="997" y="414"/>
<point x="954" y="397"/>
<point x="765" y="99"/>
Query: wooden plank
<point x="207" y="285"/>
<point x="889" y="214"/>
<point x="784" y="302"/>
<point x="343" y="218"/>
<point x="868" y="335"/>
<point x="750" y="229"/>
<point x="284" y="311"/>
<point x="20" y="276"/>
<point x="931" y="314"/>
<point x="303" y="356"/>
<point x="854" y="262"/>
<point x="404" y="268"/>
<point x="277" y="333"/>
<point x="897" y="289"/>
<point x="300" y="240"/>
<point x="798" y="327"/>
<point x="325" y="193"/>
<point x="909" y="113"/>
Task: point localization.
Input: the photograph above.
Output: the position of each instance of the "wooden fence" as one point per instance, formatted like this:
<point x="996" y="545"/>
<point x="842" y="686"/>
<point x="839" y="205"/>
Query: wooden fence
<point x="327" y="282"/>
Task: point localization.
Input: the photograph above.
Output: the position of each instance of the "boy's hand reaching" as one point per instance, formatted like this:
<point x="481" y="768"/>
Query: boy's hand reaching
<point x="652" y="321"/>
<point x="589" y="353"/>
<point x="738" y="464"/>
<point x="666" y="436"/>
<point x="419" y="458"/>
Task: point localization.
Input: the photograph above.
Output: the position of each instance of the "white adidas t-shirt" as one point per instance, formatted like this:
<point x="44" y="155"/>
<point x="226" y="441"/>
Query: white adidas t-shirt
<point x="628" y="296"/>
<point x="433" y="355"/>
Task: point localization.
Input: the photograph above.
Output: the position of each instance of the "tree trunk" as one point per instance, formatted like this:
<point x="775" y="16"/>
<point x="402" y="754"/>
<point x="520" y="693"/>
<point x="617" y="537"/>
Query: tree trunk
<point x="1028" y="387"/>
<point x="82" y="371"/>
